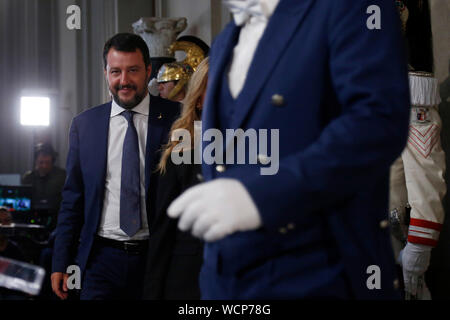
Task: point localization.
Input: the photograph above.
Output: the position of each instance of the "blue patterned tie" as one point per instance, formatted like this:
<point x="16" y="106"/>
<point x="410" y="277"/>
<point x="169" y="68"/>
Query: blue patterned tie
<point x="130" y="189"/>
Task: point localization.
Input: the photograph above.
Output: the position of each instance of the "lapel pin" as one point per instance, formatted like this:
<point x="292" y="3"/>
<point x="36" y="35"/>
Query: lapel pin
<point x="160" y="116"/>
<point x="277" y="100"/>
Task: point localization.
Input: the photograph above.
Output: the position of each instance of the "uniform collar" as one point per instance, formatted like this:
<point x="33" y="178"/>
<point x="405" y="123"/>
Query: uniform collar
<point x="245" y="10"/>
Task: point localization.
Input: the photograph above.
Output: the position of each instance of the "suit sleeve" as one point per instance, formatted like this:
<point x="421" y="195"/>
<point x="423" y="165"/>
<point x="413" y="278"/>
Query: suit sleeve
<point x="70" y="216"/>
<point x="368" y="74"/>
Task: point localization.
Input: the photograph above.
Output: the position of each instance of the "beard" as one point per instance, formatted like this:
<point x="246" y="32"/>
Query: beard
<point x="130" y="104"/>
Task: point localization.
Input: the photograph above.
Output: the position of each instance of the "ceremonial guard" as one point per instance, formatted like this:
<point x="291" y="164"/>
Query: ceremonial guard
<point x="417" y="186"/>
<point x="172" y="80"/>
<point x="173" y="77"/>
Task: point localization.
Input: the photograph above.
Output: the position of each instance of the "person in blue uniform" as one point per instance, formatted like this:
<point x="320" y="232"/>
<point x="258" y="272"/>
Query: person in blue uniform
<point x="331" y="77"/>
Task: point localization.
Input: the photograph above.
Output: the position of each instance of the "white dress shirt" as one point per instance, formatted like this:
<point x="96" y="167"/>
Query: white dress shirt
<point x="110" y="220"/>
<point x="250" y="34"/>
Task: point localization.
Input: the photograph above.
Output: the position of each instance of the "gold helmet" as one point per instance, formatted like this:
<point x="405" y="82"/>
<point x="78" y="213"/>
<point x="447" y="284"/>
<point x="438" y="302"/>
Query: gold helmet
<point x="175" y="71"/>
<point x="194" y="53"/>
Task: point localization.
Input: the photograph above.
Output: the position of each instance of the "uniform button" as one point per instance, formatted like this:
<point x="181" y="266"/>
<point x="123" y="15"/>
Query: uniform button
<point x="263" y="159"/>
<point x="220" y="168"/>
<point x="384" y="224"/>
<point x="282" y="230"/>
<point x="291" y="226"/>
<point x="277" y="100"/>
<point x="200" y="177"/>
<point x="396" y="284"/>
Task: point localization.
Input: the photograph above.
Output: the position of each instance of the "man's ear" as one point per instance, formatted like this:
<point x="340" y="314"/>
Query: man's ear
<point x="149" y="70"/>
<point x="105" y="72"/>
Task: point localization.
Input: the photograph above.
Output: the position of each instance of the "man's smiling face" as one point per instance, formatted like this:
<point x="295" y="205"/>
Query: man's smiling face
<point x="127" y="77"/>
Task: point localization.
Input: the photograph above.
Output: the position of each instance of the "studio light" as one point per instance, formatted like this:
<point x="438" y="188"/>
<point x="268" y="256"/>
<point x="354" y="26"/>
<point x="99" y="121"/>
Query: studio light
<point x="35" y="111"/>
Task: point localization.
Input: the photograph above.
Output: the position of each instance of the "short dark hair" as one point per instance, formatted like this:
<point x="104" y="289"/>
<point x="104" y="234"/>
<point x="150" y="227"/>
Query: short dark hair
<point x="45" y="149"/>
<point x="127" y="42"/>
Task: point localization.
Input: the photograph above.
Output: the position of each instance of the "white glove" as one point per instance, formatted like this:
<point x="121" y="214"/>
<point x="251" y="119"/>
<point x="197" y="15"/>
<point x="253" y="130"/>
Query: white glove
<point x="215" y="209"/>
<point x="153" y="87"/>
<point x="414" y="259"/>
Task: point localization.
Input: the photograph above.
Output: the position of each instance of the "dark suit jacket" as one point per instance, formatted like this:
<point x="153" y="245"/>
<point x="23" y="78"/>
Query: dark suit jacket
<point x="342" y="121"/>
<point x="174" y="257"/>
<point x="83" y="191"/>
<point x="47" y="192"/>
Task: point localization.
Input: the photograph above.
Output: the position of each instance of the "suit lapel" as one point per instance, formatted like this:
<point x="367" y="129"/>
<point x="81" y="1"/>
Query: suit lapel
<point x="101" y="141"/>
<point x="100" y="148"/>
<point x="279" y="31"/>
<point x="217" y="68"/>
<point x="154" y="139"/>
<point x="218" y="63"/>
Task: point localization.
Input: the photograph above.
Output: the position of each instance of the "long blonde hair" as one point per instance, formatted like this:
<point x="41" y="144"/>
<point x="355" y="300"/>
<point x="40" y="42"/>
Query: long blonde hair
<point x="190" y="113"/>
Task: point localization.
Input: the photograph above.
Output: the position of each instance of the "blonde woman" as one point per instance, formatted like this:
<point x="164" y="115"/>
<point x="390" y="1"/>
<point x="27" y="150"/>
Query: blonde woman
<point x="175" y="257"/>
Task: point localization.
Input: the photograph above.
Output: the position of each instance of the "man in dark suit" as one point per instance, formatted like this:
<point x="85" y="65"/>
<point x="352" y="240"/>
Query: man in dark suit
<point x="47" y="181"/>
<point x="108" y="197"/>
<point x="331" y="76"/>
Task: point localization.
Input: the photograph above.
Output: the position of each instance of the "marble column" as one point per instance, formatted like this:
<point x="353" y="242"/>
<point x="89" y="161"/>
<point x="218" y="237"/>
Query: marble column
<point x="159" y="34"/>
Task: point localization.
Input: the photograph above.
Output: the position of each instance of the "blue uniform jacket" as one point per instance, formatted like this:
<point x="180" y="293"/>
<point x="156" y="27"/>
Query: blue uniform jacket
<point x="342" y="121"/>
